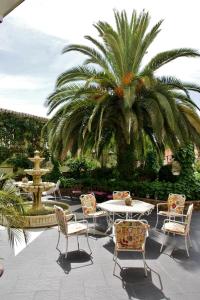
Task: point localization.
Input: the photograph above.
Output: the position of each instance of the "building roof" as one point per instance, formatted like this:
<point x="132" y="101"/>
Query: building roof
<point x="6" y="6"/>
<point x="2" y="110"/>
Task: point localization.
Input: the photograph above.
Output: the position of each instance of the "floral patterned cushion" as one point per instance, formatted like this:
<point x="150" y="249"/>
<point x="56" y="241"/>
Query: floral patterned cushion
<point x="88" y="202"/>
<point x="169" y="213"/>
<point x="174" y="227"/>
<point x="121" y="195"/>
<point x="130" y="235"/>
<point x="176" y="203"/>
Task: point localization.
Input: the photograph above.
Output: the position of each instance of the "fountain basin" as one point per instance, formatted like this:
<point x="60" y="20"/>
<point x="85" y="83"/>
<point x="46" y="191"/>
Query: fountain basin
<point x="46" y="220"/>
<point x="41" y="220"/>
<point x="30" y="187"/>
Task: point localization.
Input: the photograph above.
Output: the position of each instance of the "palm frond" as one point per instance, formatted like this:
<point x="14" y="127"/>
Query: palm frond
<point x="167" y="56"/>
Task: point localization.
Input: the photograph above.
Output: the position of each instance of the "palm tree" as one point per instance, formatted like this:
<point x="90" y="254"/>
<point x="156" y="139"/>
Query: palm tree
<point x="114" y="96"/>
<point x="11" y="212"/>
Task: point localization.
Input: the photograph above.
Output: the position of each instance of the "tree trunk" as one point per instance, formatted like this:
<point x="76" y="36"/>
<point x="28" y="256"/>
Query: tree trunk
<point x="125" y="159"/>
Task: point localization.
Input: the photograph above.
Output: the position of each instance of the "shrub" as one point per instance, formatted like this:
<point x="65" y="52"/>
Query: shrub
<point x="55" y="173"/>
<point x="19" y="160"/>
<point x="102" y="173"/>
<point x="79" y="166"/>
<point x="68" y="182"/>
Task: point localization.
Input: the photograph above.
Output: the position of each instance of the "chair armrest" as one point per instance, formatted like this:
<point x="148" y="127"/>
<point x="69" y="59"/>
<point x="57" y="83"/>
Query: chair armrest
<point x="82" y="221"/>
<point x="72" y="216"/>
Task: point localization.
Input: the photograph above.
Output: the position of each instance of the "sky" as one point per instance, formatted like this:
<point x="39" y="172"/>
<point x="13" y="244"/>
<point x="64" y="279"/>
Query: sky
<point x="33" y="35"/>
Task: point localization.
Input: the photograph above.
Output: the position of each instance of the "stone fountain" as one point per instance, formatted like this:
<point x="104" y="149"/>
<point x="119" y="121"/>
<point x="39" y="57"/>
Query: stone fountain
<point x="37" y="186"/>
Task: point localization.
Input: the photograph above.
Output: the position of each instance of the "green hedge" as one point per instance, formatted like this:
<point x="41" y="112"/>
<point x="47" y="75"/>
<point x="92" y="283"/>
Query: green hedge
<point x="155" y="189"/>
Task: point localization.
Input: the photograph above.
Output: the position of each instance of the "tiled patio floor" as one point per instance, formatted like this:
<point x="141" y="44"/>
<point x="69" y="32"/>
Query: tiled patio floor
<point x="40" y="272"/>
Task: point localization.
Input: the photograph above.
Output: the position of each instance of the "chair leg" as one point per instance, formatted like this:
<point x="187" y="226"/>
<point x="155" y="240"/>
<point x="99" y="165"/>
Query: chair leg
<point x="77" y="242"/>
<point x="88" y="243"/>
<point x="186" y="246"/>
<point x="58" y="239"/>
<point x="161" y="248"/>
<point x="156" y="221"/>
<point x="190" y="242"/>
<point x="94" y="225"/>
<point x="66" y="252"/>
<point x="115" y="260"/>
<point x="114" y="255"/>
<point x="145" y="265"/>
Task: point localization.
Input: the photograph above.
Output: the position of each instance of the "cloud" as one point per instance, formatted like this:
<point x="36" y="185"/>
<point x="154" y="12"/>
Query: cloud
<point x="30" y="63"/>
<point x="20" y="82"/>
<point x="34" y="34"/>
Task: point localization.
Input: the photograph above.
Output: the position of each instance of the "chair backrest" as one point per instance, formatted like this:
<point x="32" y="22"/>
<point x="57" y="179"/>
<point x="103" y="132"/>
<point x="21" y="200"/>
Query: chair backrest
<point x="189" y="217"/>
<point x="130" y="234"/>
<point x="118" y="195"/>
<point x="61" y="219"/>
<point x="176" y="203"/>
<point x="88" y="203"/>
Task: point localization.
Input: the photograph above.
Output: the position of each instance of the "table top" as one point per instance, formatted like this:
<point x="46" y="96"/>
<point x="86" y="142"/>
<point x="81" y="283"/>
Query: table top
<point x="119" y="206"/>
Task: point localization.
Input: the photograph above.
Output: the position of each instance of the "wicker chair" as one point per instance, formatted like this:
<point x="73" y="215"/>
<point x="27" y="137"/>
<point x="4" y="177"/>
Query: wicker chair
<point x="69" y="228"/>
<point x="174" y="207"/>
<point x="179" y="228"/>
<point x="88" y="203"/>
<point x="130" y="235"/>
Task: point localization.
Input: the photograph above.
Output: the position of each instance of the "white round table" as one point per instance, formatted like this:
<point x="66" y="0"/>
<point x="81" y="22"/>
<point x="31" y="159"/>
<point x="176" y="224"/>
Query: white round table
<point x="138" y="209"/>
<point x="119" y="206"/>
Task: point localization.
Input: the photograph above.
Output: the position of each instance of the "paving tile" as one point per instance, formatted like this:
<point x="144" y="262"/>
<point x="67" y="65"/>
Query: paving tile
<point x="47" y="295"/>
<point x="17" y="296"/>
<point x="40" y="272"/>
<point x="37" y="284"/>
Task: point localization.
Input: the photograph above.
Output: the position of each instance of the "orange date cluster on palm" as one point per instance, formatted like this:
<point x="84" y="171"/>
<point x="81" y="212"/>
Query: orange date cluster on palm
<point x="119" y="91"/>
<point x="128" y="78"/>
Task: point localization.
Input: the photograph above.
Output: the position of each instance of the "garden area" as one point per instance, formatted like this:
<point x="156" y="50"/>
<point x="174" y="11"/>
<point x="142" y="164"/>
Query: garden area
<point x="120" y="143"/>
<point x="150" y="178"/>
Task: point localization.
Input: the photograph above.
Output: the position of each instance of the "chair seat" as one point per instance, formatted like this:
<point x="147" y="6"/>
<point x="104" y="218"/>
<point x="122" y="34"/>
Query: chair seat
<point x="174" y="227"/>
<point x="167" y="213"/>
<point x="97" y="214"/>
<point x="76" y="227"/>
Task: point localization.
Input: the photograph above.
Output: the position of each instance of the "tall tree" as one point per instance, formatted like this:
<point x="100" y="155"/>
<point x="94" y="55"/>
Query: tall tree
<point x="113" y="95"/>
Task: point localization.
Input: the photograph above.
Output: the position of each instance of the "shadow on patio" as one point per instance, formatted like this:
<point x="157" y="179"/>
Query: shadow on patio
<point x="74" y="257"/>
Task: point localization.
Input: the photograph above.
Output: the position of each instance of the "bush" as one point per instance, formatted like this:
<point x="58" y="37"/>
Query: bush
<point x="55" y="173"/>
<point x="101" y="173"/>
<point x="19" y="160"/>
<point x="68" y="182"/>
<point x="79" y="166"/>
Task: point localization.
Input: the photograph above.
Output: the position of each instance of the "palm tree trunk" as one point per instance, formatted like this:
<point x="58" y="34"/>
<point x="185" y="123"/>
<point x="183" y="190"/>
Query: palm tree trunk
<point x="125" y="159"/>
